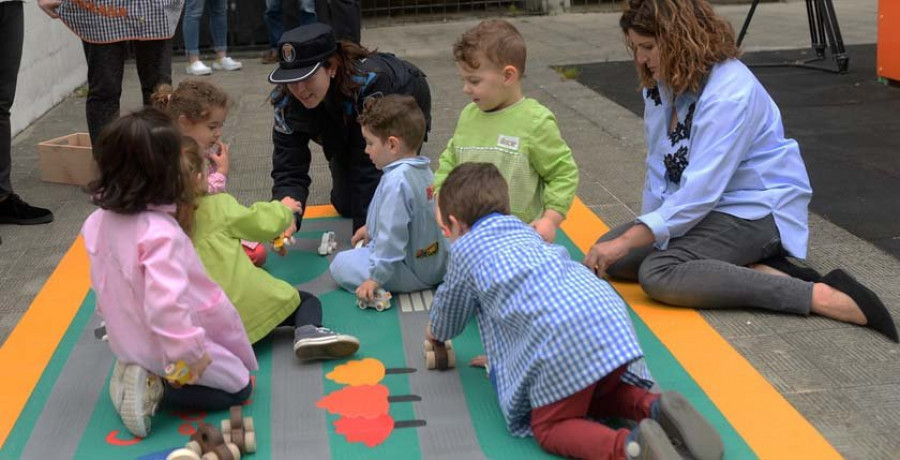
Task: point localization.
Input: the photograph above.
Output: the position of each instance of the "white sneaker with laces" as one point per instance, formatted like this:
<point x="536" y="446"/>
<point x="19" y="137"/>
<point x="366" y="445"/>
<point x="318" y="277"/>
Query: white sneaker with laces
<point x="198" y="68"/>
<point x="116" y="391"/>
<point x="226" y="63"/>
<point x="141" y="394"/>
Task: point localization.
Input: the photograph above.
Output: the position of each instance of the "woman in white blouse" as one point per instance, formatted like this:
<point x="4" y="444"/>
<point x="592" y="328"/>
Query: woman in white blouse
<point x="726" y="194"/>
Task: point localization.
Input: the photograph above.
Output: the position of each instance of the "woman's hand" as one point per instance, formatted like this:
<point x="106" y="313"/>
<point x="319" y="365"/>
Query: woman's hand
<point x="604" y="254"/>
<point x="361" y="235"/>
<point x="49" y="7"/>
<point x="366" y="291"/>
<point x="295" y="207"/>
<point x="219" y="156"/>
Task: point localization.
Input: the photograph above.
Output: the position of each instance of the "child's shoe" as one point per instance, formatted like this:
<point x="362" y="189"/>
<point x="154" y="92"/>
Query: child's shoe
<point x="116" y="390"/>
<point x="311" y="342"/>
<point x="141" y="394"/>
<point x="198" y="68"/>
<point x="649" y="442"/>
<point x="686" y="427"/>
<point x="226" y="63"/>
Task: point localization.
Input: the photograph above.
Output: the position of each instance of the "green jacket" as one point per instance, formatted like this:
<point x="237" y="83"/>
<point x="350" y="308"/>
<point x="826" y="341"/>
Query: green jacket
<point x="524" y="143"/>
<point x="219" y="226"/>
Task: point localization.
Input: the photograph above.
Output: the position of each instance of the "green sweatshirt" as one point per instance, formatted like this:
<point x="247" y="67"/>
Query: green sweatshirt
<point x="524" y="143"/>
<point x="220" y="224"/>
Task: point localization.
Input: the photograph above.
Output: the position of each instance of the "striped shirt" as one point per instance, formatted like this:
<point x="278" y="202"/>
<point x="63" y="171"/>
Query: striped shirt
<point x="549" y="326"/>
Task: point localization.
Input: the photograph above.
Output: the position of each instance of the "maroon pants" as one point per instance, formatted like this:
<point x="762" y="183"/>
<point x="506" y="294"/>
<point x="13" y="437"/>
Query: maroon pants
<point x="562" y="428"/>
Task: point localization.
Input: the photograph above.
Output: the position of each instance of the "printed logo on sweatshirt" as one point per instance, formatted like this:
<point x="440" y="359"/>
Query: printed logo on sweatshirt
<point x="508" y="142"/>
<point x="431" y="250"/>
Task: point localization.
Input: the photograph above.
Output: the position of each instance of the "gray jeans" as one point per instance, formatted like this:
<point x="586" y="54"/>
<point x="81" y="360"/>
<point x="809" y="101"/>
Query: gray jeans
<point x="706" y="268"/>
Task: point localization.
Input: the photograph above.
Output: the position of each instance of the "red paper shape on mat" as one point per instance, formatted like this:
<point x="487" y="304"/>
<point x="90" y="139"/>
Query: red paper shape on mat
<point x="361" y="401"/>
<point x="369" y="431"/>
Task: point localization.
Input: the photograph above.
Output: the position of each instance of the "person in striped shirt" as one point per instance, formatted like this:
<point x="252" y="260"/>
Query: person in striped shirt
<point x="558" y="338"/>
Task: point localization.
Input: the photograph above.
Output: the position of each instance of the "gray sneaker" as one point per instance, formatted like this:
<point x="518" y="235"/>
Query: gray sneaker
<point x="649" y="442"/>
<point x="141" y="394"/>
<point x="686" y="427"/>
<point x="311" y="342"/>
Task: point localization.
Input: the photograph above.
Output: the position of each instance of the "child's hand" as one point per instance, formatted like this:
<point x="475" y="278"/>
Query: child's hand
<point x="361" y="235"/>
<point x="545" y="227"/>
<point x="198" y="368"/>
<point x="294" y="205"/>
<point x="219" y="156"/>
<point x="428" y="334"/>
<point x="366" y="291"/>
<point x="479" y="361"/>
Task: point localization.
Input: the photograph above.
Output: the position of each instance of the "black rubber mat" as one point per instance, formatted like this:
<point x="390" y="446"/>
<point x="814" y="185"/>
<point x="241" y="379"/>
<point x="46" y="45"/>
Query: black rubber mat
<point x="848" y="127"/>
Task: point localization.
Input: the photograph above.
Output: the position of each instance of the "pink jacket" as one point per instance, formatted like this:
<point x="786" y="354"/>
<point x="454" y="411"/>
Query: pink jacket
<point x="157" y="300"/>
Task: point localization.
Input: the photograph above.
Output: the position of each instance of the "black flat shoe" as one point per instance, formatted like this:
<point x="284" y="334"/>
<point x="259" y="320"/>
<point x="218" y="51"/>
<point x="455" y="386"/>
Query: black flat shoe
<point x="877" y="315"/>
<point x="783" y="265"/>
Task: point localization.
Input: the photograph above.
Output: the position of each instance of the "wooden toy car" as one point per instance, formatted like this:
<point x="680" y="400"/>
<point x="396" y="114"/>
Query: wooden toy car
<point x="381" y="302"/>
<point x="207" y="443"/>
<point x="280" y="243"/>
<point x="439" y="355"/>
<point x="239" y="430"/>
<point x="328" y="244"/>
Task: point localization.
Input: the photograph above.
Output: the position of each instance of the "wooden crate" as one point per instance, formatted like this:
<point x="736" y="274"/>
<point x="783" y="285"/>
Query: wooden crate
<point x="67" y="160"/>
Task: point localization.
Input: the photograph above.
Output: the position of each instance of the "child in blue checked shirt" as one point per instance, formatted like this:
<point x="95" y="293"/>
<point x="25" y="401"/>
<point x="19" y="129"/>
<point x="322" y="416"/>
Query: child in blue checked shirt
<point x="404" y="249"/>
<point x="559" y="339"/>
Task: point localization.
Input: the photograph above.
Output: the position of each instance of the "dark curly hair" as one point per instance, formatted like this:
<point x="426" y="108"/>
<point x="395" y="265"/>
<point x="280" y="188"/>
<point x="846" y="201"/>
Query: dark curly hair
<point x="139" y="158"/>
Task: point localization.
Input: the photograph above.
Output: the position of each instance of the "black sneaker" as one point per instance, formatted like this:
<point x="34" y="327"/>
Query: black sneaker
<point x="311" y="342"/>
<point x="15" y="211"/>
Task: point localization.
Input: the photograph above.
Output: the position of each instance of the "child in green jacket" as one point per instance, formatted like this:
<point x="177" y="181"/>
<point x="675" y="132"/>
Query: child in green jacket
<point x="217" y="224"/>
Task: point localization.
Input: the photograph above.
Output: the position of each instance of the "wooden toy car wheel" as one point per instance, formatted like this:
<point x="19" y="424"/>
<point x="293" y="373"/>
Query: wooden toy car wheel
<point x="428" y="345"/>
<point x="182" y="454"/>
<point x="379" y="307"/>
<point x="248" y="425"/>
<point x="429" y="360"/>
<point x="250" y="442"/>
<point x="194" y="447"/>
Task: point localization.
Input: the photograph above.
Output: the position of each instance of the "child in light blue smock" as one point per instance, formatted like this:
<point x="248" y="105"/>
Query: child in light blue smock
<point x="404" y="251"/>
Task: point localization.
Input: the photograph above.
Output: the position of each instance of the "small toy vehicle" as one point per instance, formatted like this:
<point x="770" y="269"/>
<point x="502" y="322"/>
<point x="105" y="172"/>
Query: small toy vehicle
<point x="280" y="244"/>
<point x="239" y="430"/>
<point x="178" y="373"/>
<point x="439" y="355"/>
<point x="381" y="302"/>
<point x="209" y="443"/>
<point x="328" y="244"/>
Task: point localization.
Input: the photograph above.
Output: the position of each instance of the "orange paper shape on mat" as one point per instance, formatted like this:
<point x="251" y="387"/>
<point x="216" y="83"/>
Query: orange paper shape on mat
<point x="369" y="431"/>
<point x="361" y="401"/>
<point x="367" y="371"/>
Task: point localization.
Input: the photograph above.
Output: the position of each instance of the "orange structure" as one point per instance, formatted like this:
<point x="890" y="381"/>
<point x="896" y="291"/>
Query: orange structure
<point x="889" y="39"/>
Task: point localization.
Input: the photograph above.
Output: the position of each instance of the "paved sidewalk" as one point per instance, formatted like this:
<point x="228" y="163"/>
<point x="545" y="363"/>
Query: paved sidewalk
<point x="844" y="379"/>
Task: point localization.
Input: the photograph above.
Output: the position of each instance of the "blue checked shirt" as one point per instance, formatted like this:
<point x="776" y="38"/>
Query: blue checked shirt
<point x="549" y="326"/>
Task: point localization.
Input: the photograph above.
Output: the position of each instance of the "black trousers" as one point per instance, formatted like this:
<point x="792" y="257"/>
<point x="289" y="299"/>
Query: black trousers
<point x="205" y="398"/>
<point x="12" y="35"/>
<point x="106" y="65"/>
<point x="309" y="311"/>
<point x="344" y="17"/>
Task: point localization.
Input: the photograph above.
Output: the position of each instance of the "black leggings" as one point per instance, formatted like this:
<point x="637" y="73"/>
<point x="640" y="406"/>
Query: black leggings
<point x="203" y="397"/>
<point x="309" y="311"/>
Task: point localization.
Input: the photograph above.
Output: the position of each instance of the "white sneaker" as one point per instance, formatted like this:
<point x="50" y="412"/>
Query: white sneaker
<point x="116" y="391"/>
<point x="226" y="63"/>
<point x="198" y="68"/>
<point x="141" y="394"/>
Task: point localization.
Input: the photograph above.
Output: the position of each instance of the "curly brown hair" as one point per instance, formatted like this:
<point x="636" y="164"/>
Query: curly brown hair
<point x="193" y="98"/>
<point x="138" y="156"/>
<point x="497" y="40"/>
<point x="691" y="38"/>
<point x="192" y="165"/>
<point x="395" y="115"/>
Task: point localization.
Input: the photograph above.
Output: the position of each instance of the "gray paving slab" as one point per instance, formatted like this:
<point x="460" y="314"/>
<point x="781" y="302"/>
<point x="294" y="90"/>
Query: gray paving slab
<point x="842" y="378"/>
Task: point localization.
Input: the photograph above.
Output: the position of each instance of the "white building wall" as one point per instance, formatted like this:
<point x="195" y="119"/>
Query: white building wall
<point x="52" y="66"/>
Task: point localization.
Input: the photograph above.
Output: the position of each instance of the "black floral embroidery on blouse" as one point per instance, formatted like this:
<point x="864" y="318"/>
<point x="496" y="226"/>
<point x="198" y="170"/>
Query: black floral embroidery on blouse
<point x="675" y="164"/>
<point x="653" y="94"/>
<point x="683" y="130"/>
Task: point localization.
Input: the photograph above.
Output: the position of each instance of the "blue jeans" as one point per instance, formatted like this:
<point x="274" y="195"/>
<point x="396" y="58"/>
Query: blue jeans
<point x="218" y="25"/>
<point x="275" y="23"/>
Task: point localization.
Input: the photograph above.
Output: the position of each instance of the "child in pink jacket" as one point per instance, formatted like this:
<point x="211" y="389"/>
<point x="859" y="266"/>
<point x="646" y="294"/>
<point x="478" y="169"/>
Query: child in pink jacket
<point x="159" y="305"/>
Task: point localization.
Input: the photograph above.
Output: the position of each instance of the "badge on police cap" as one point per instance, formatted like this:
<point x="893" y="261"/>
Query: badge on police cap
<point x="287" y="52"/>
